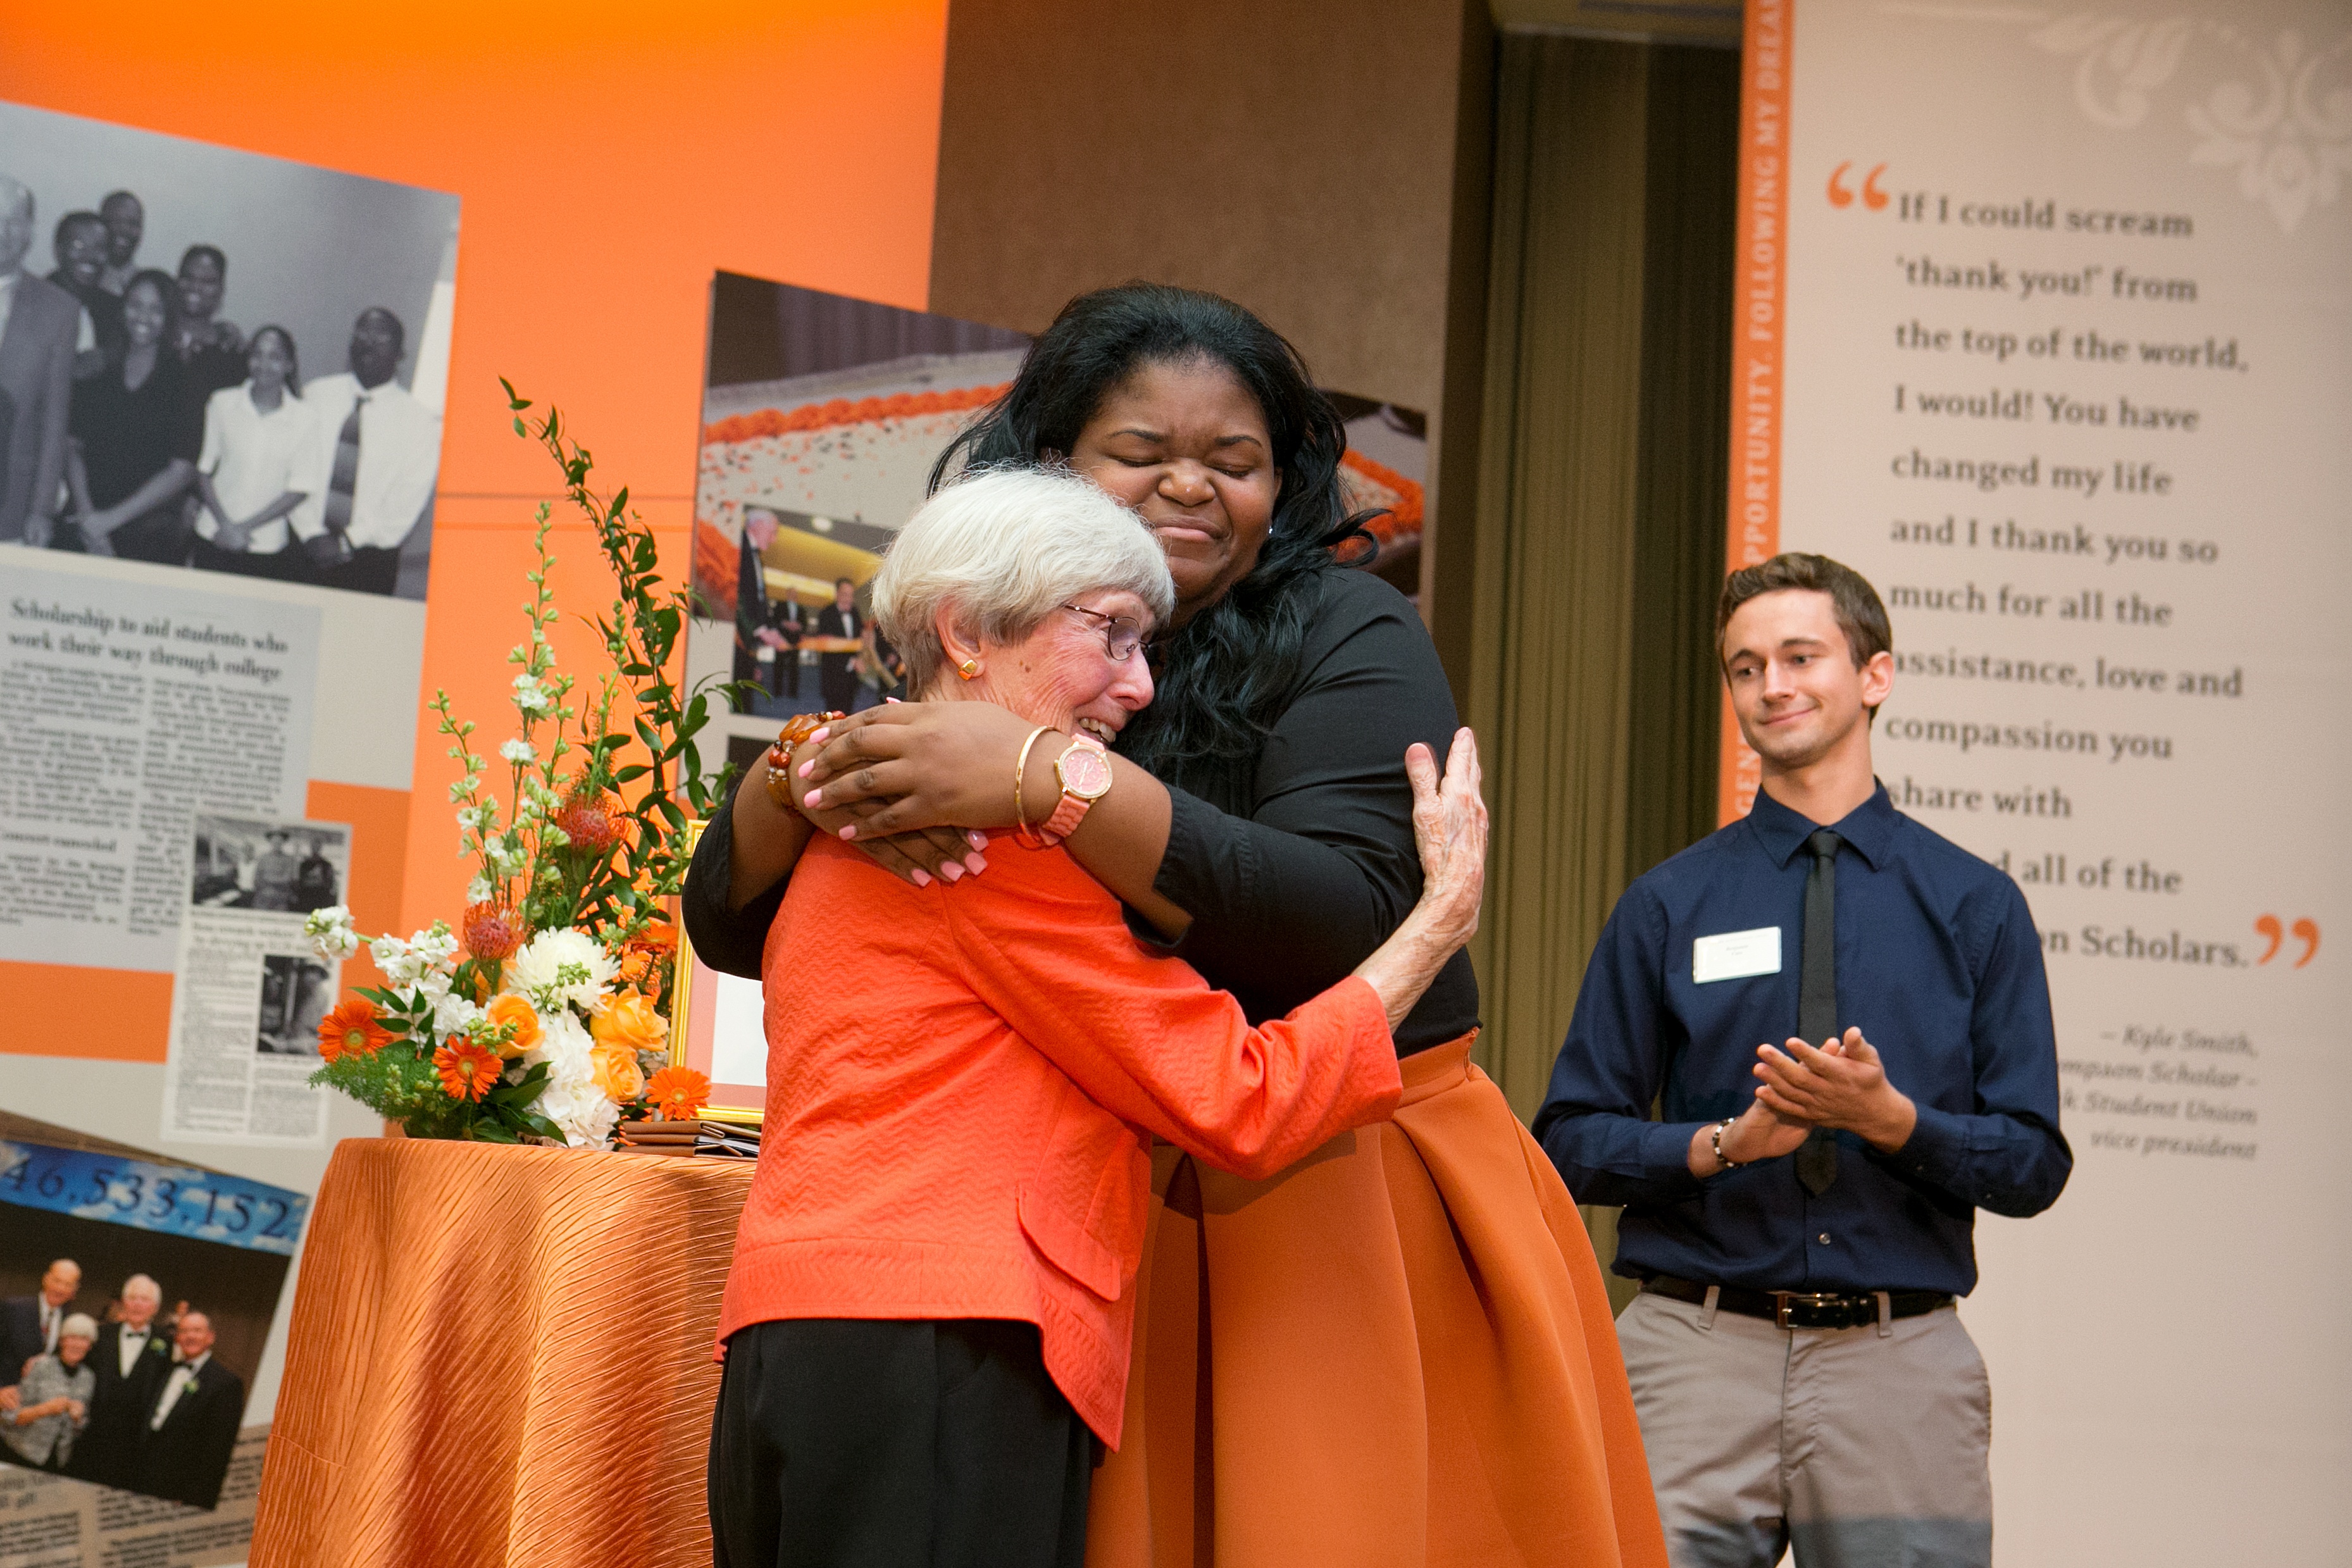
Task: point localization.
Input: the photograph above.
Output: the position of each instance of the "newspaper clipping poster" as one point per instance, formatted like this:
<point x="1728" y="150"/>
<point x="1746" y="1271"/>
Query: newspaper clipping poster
<point x="249" y="988"/>
<point x="124" y="707"/>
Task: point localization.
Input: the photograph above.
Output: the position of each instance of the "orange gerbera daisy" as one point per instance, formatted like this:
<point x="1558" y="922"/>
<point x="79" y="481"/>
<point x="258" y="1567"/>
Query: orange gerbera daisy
<point x="468" y="1068"/>
<point x="678" y="1093"/>
<point x="351" y="1030"/>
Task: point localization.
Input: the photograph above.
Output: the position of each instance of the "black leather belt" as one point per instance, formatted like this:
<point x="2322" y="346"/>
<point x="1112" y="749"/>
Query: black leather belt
<point x="1801" y="1309"/>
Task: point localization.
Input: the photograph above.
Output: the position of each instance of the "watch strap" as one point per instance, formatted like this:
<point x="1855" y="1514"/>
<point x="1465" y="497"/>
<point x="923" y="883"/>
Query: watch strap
<point x="1072" y="808"/>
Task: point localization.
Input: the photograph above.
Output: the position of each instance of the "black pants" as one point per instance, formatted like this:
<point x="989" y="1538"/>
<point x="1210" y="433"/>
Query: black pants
<point x="369" y="571"/>
<point x="286" y="565"/>
<point x="837" y="679"/>
<point x="846" y="1443"/>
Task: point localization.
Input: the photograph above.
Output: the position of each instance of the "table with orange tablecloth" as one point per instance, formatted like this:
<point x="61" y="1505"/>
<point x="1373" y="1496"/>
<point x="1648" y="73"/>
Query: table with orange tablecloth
<point x="500" y="1355"/>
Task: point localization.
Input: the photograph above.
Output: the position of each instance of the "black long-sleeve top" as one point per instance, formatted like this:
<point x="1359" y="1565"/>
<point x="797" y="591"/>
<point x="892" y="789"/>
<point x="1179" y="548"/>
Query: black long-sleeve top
<point x="1294" y="864"/>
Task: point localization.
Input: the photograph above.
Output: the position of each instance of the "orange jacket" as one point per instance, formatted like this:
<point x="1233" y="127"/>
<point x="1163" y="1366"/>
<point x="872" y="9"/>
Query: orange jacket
<point x="963" y="1083"/>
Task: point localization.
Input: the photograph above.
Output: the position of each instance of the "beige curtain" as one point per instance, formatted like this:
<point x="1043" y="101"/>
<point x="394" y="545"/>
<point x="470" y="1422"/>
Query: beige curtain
<point x="1599" y="538"/>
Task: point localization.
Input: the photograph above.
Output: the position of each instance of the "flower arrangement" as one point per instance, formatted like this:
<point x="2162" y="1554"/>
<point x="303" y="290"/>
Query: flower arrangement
<point x="544" y="1013"/>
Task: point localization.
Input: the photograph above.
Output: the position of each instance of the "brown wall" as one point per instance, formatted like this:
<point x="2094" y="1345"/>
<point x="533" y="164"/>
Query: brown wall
<point x="1297" y="156"/>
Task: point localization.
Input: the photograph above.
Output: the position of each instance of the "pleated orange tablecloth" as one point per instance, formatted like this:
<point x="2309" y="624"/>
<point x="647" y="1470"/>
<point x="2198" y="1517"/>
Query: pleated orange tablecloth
<point x="500" y="1356"/>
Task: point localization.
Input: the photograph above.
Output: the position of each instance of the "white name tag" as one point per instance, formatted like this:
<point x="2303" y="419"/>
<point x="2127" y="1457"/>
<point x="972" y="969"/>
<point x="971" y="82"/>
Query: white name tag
<point x="1735" y="955"/>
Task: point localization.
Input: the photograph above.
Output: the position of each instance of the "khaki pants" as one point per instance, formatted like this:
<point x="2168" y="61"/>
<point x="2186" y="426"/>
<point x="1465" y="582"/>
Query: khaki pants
<point x="1859" y="1447"/>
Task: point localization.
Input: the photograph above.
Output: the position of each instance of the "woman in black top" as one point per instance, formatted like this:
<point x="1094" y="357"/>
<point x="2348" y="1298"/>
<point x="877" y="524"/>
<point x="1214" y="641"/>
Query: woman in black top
<point x="137" y="429"/>
<point x="1259" y="826"/>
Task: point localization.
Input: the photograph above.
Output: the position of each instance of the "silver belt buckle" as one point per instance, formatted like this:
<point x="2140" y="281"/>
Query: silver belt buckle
<point x="1784" y="1299"/>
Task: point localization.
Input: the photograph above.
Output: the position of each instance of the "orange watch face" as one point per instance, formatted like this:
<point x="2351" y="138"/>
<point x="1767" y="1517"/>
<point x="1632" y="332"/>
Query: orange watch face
<point x="1085" y="772"/>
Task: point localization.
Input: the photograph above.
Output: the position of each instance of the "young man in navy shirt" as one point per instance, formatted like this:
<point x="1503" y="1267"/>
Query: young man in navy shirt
<point x="1800" y="1214"/>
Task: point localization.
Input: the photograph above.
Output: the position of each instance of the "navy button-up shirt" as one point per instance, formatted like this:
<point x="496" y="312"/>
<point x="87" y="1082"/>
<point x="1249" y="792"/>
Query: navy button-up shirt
<point x="1937" y="963"/>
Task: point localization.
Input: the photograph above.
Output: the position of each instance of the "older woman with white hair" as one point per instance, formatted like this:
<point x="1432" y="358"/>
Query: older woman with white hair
<point x="53" y="1398"/>
<point x="926" y="1327"/>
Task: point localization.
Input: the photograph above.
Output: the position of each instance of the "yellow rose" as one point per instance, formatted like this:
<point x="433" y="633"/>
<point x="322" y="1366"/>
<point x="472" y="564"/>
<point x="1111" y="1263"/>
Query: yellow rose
<point x="515" y="1010"/>
<point x="617" y="1073"/>
<point x="627" y="1025"/>
<point x="629" y="1020"/>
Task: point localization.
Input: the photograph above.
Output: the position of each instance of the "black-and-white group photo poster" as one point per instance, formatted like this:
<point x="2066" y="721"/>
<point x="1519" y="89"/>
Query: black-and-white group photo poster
<point x="214" y="360"/>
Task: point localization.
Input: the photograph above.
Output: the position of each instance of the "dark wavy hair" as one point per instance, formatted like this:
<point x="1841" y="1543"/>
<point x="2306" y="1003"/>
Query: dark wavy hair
<point x="1221" y="675"/>
<point x="293" y="358"/>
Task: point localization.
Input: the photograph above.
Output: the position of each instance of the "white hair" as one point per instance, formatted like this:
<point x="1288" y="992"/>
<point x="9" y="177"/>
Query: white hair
<point x="1002" y="549"/>
<point x="81" y="1324"/>
<point x="14" y="194"/>
<point x="142" y="1284"/>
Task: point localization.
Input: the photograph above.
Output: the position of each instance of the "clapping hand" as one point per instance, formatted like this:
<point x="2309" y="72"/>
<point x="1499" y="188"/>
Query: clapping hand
<point x="1841" y="1084"/>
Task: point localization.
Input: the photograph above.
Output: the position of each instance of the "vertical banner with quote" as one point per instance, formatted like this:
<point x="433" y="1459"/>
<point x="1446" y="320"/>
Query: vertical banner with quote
<point x="2044" y="322"/>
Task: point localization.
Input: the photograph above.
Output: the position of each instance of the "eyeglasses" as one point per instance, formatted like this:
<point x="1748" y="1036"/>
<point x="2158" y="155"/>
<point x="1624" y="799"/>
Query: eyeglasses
<point x="1121" y="636"/>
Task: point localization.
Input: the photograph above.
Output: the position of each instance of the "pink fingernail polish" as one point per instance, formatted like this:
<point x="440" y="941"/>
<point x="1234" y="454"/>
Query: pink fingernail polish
<point x="811" y="799"/>
<point x="922" y="878"/>
<point x="976" y="862"/>
<point x="951" y="871"/>
<point x="817" y="735"/>
<point x="850" y="832"/>
<point x="807" y="768"/>
<point x="978" y="840"/>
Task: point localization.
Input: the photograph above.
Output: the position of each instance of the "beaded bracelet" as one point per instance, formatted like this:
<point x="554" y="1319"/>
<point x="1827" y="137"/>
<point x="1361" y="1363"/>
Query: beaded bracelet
<point x="797" y="729"/>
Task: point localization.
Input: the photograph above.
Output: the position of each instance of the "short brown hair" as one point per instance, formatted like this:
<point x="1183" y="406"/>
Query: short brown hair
<point x="1860" y="616"/>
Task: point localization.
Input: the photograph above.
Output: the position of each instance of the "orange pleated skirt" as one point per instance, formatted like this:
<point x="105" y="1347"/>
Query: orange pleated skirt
<point x="1396" y="1353"/>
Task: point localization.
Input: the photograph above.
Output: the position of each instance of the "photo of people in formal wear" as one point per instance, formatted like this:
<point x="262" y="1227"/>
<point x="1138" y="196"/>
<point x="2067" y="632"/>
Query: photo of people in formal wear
<point x="274" y="867"/>
<point x="215" y="360"/>
<point x="822" y="418"/>
<point x="135" y="1298"/>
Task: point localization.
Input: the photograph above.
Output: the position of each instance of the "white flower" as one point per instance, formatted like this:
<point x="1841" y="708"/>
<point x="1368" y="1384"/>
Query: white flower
<point x="529" y="695"/>
<point x="437" y="946"/>
<point x="561" y="966"/>
<point x="330" y="933"/>
<point x="570" y="1099"/>
<point x="479" y="889"/>
<point x="519" y="752"/>
<point x="425" y="960"/>
<point x="453" y="1012"/>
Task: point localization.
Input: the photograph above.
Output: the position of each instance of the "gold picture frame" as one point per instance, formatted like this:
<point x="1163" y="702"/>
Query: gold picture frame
<point x="693" y="994"/>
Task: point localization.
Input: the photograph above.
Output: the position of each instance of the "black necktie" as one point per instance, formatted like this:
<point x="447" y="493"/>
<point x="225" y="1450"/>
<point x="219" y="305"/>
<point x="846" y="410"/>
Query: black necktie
<point x="1817" y="1009"/>
<point x="342" y="482"/>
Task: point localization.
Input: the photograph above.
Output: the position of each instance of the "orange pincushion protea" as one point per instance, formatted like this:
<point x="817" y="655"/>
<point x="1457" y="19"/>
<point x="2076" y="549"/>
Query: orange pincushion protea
<point x="492" y="931"/>
<point x="468" y="1068"/>
<point x="351" y="1030"/>
<point x="592" y="821"/>
<point x="678" y="1093"/>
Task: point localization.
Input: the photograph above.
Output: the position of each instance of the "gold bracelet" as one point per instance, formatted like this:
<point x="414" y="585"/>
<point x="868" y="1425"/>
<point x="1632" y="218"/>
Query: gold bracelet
<point x="1019" y="815"/>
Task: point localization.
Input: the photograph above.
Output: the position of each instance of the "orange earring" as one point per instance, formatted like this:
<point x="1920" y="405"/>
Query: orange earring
<point x="968" y="668"/>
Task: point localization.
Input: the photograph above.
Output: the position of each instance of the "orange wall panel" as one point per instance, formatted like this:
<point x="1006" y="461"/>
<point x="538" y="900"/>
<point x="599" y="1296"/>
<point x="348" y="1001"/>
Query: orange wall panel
<point x="609" y="158"/>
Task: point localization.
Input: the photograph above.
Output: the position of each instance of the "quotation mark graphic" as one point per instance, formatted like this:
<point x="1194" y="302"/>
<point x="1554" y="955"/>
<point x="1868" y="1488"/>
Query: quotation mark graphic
<point x="2305" y="931"/>
<point x="1841" y="194"/>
